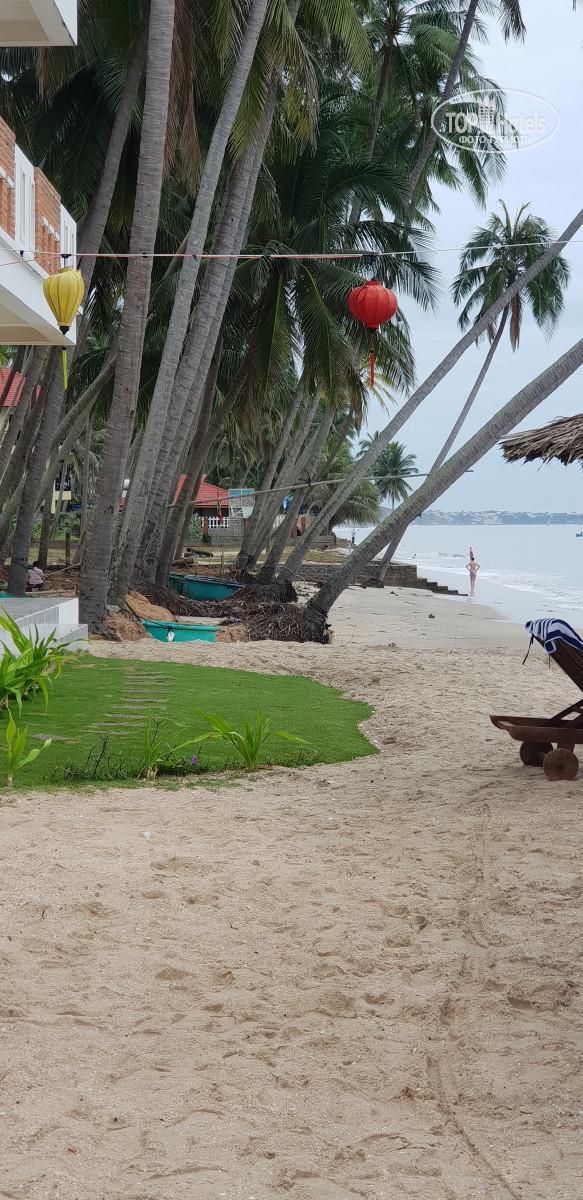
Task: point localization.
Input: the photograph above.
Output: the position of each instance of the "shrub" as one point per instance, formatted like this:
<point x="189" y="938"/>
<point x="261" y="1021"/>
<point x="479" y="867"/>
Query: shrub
<point x="29" y="669"/>
<point x="247" y="745"/>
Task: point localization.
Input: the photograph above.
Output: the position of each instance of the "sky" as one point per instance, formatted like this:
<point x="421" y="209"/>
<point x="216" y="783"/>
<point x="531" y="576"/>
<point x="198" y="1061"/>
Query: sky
<point x="549" y="63"/>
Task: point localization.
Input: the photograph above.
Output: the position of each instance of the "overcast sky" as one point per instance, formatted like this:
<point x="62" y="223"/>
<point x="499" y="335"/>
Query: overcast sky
<point x="550" y="65"/>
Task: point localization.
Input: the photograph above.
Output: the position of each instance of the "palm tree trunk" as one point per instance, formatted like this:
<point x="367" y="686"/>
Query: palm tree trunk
<point x="199" y="348"/>
<point x="85" y="476"/>
<point x="365" y="465"/>
<point x="137" y="499"/>
<point x="179" y="551"/>
<point x="375" y="115"/>
<point x="445" y="449"/>
<point x="45" y="535"/>
<point x="16" y="476"/>
<point x="243" y="557"/>
<point x="28" y="502"/>
<point x="17" y="366"/>
<point x="523" y="403"/>
<point x="199" y="451"/>
<point x="96" y="560"/>
<point x="162" y="548"/>
<point x="446" y="95"/>
<point x="25" y="394"/>
<point x="186" y="398"/>
<point x="271" y="503"/>
<point x="59" y="504"/>
<point x="93" y="227"/>
<point x="338" y="444"/>
<point x="311" y="460"/>
<point x="201" y="341"/>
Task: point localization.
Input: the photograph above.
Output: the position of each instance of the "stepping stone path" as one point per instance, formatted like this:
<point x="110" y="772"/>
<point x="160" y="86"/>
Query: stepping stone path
<point x="141" y="692"/>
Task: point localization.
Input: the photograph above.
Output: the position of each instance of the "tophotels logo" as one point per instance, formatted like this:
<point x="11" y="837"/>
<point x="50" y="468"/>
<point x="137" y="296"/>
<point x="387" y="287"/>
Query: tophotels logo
<point x="494" y="122"/>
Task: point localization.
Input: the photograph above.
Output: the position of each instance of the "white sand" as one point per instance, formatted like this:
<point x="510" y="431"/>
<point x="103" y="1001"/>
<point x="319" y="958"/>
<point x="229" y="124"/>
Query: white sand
<point x="419" y="620"/>
<point x="361" y="980"/>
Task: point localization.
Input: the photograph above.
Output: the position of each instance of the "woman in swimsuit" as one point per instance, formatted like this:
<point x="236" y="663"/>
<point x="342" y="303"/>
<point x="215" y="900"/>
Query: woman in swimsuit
<point x="473" y="567"/>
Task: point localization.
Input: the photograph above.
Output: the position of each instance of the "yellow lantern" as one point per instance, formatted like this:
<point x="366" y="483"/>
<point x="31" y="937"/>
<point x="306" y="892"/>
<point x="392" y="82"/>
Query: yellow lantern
<point x="63" y="294"/>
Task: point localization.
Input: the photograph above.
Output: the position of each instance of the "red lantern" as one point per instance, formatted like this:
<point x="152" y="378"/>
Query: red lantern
<point x="372" y="304"/>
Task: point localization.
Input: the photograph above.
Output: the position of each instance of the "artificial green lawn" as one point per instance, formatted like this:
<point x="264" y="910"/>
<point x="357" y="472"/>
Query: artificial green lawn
<point x="89" y="689"/>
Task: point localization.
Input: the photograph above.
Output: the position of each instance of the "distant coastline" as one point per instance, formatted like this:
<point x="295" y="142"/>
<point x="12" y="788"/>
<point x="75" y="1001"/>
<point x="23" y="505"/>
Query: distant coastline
<point x="435" y="517"/>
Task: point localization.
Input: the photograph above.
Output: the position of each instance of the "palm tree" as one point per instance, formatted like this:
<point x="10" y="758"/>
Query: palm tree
<point x="414" y="45"/>
<point x="96" y="560"/>
<point x="137" y="498"/>
<point x="390" y="468"/>
<point x="492" y="260"/>
<point x="280" y="51"/>
<point x="510" y="18"/>
<point x="302" y="304"/>
<point x="519" y="407"/>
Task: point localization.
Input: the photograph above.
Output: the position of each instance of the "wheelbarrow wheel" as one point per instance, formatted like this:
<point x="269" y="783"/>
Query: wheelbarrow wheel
<point x="533" y="753"/>
<point x="560" y="764"/>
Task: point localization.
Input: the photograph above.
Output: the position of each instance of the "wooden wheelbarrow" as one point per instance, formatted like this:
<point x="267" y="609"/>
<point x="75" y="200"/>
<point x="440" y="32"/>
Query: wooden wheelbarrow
<point x="550" y="742"/>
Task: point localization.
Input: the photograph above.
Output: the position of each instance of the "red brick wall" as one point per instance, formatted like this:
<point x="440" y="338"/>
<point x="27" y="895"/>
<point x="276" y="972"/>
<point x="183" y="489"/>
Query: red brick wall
<point x="47" y="223"/>
<point x="7" y="141"/>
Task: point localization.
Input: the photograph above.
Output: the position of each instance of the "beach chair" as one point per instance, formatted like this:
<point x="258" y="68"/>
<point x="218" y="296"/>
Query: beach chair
<point x="540" y="735"/>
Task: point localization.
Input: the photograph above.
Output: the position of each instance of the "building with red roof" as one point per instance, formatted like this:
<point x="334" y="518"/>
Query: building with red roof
<point x="207" y="498"/>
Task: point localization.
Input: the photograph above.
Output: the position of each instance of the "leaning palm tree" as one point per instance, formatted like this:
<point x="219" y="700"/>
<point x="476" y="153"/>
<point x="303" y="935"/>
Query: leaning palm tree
<point x="390" y="469"/>
<point x="492" y="260"/>
<point x="506" y="419"/>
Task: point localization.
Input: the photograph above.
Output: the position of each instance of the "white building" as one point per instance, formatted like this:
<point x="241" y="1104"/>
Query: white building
<point x="35" y="230"/>
<point x="38" y="22"/>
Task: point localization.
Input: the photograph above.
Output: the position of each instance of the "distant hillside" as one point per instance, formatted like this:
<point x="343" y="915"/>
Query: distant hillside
<point x="434" y="517"/>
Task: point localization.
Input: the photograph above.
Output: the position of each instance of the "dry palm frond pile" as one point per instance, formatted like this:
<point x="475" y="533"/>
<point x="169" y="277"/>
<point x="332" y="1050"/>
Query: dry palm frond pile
<point x="285" y="623"/>
<point x="266" y="609"/>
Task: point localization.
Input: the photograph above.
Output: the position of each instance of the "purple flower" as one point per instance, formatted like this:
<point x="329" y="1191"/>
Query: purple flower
<point x="194" y="759"/>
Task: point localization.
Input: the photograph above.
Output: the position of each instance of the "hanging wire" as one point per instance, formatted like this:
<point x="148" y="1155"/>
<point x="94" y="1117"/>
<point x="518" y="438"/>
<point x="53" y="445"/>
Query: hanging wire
<point x="340" y="256"/>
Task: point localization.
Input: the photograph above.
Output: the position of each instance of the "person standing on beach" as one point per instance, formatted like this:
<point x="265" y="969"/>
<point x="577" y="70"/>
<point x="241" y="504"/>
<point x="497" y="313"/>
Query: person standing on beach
<point x="473" y="567"/>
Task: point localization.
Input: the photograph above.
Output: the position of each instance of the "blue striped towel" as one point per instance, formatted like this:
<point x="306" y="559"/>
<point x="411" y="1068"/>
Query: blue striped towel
<point x="551" y="631"/>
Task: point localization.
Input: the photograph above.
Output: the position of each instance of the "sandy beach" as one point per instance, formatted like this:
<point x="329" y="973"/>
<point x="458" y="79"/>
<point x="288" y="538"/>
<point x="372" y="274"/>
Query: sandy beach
<point x="359" y="980"/>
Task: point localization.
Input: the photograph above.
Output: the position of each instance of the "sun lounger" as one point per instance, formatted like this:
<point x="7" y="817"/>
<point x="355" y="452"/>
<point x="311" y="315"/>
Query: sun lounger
<point x="539" y="735"/>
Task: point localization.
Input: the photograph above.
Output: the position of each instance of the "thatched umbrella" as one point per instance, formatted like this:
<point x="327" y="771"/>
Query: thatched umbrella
<point x="562" y="439"/>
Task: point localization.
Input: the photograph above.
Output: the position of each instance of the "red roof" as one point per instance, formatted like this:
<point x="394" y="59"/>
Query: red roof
<point x="16" y="385"/>
<point x="207" y="494"/>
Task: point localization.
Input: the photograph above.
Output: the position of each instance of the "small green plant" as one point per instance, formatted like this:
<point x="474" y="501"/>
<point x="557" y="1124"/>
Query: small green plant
<point x="159" y="751"/>
<point x="29" y="669"/>
<point x="248" y="745"/>
<point x="15" y="749"/>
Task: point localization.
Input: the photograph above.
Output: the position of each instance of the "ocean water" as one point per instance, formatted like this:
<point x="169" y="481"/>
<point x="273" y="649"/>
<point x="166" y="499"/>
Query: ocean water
<point x="526" y="571"/>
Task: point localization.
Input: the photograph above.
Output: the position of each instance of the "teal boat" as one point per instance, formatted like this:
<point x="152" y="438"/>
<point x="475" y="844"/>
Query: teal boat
<point x="175" y="631"/>
<point x="201" y="587"/>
